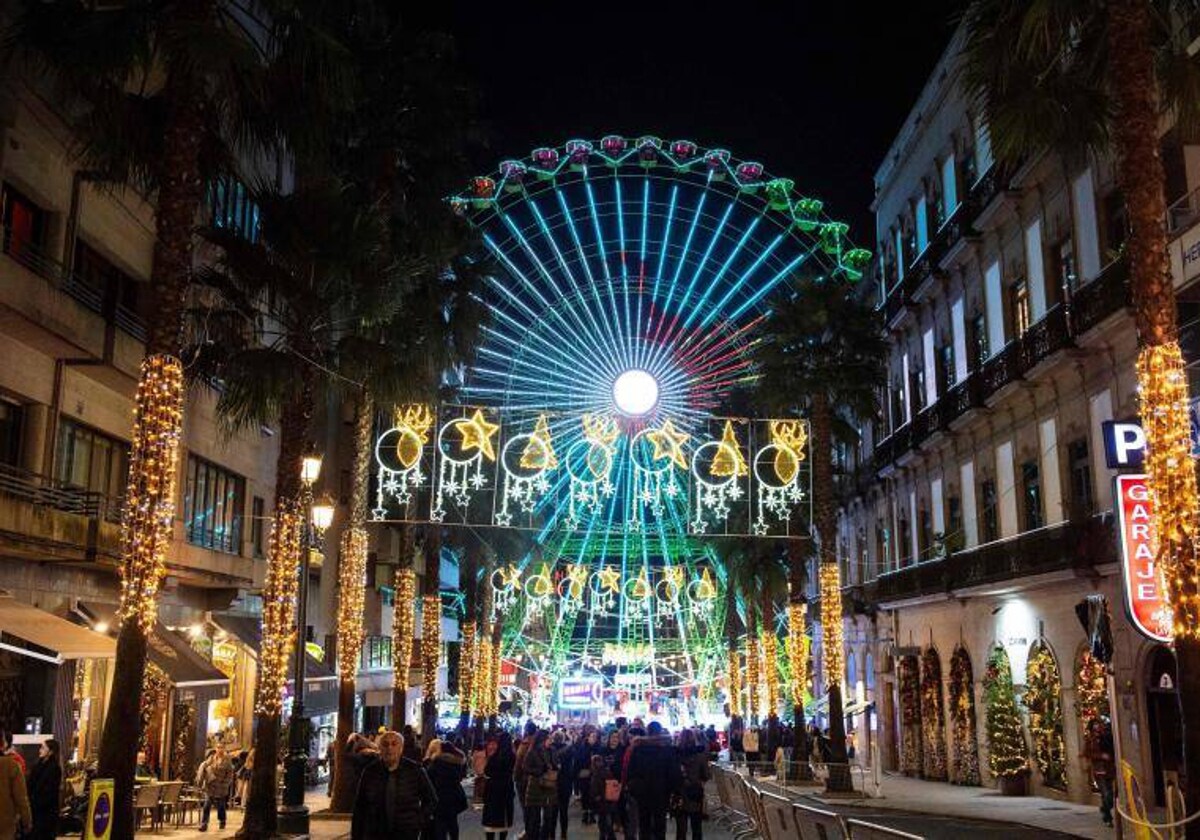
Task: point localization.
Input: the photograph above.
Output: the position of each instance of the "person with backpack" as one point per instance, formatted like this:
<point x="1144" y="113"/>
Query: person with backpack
<point x="605" y="792"/>
<point x="653" y="776"/>
<point x="215" y="778"/>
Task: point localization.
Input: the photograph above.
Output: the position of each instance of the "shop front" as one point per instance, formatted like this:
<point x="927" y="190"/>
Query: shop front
<point x="54" y="678"/>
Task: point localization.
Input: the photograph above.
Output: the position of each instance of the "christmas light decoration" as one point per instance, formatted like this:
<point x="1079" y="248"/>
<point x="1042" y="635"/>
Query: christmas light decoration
<point x="279" y="604"/>
<point x="468" y="668"/>
<point x="431" y="644"/>
<point x="403" y="626"/>
<point x="1091" y="688"/>
<point x="753" y="676"/>
<point x="797" y="651"/>
<point x="494" y="682"/>
<point x="933" y="717"/>
<point x="1171" y="476"/>
<point x="1043" y="698"/>
<point x="148" y="517"/>
<point x="770" y="652"/>
<point x="398" y="453"/>
<point x="351" y="596"/>
<point x="718" y="470"/>
<point x="1006" y="738"/>
<point x="780" y="481"/>
<point x="464" y="445"/>
<point x="477" y="434"/>
<point x="733" y="680"/>
<point x="833" y="661"/>
<point x="964" y="766"/>
<point x="908" y="678"/>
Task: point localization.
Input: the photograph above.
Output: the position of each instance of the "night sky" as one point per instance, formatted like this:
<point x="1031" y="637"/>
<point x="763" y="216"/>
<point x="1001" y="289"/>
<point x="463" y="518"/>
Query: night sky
<point x="815" y="92"/>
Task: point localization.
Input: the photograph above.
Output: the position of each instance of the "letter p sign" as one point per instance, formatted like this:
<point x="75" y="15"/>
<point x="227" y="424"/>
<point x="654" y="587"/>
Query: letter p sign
<point x="1124" y="444"/>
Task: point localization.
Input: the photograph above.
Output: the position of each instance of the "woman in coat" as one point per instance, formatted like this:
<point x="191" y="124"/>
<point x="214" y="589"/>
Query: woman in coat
<point x="541" y="788"/>
<point x="446" y="767"/>
<point x="45" y="786"/>
<point x="215" y="778"/>
<point x="693" y="758"/>
<point x="498" y="792"/>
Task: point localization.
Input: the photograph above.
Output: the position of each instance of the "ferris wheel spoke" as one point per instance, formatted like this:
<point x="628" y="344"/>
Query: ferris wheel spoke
<point x="587" y="267"/>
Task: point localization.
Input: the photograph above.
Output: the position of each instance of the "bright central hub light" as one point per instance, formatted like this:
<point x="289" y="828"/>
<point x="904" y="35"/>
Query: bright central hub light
<point x="635" y="392"/>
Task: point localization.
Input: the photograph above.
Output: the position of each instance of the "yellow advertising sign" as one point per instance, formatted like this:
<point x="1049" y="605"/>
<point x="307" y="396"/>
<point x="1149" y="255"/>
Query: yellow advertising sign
<point x="98" y="825"/>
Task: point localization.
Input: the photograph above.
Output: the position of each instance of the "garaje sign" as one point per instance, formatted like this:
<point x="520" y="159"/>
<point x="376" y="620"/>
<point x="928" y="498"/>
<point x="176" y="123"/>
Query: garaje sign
<point x="1145" y="593"/>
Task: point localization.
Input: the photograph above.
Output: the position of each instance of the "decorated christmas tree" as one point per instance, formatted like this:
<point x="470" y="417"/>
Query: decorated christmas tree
<point x="1007" y="753"/>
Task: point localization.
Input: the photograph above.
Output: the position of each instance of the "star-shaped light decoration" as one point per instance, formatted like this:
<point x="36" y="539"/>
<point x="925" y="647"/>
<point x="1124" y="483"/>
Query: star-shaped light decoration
<point x="668" y="444"/>
<point x="609" y="579"/>
<point x="477" y="434"/>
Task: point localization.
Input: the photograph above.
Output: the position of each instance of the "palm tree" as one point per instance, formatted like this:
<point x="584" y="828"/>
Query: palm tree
<point x="1074" y="76"/>
<point x="164" y="97"/>
<point x="271" y="360"/>
<point x="823" y="354"/>
<point x="759" y="576"/>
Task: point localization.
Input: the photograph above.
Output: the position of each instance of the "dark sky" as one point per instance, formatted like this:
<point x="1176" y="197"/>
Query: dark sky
<point x="814" y="91"/>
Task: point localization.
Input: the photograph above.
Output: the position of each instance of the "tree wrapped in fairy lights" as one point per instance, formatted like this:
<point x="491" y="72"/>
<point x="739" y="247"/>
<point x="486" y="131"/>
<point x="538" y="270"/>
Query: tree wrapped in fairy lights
<point x="1007" y="752"/>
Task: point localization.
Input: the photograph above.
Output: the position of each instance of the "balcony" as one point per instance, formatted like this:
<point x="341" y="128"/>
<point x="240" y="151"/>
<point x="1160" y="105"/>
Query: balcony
<point x="1071" y="547"/>
<point x="44" y="519"/>
<point x="963" y="397"/>
<point x="1108" y="294"/>
<point x="1002" y="369"/>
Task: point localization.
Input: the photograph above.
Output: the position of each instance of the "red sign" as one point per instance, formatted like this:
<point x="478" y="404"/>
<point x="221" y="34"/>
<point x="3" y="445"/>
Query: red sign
<point x="1145" y="590"/>
<point x="508" y="672"/>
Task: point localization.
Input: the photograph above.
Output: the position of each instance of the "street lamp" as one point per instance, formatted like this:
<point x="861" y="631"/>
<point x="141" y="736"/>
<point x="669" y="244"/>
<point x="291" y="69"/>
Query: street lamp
<point x="293" y="813"/>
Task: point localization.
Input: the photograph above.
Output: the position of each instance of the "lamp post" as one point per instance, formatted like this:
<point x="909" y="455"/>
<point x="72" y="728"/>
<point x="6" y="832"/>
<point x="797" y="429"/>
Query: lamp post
<point x="293" y="813"/>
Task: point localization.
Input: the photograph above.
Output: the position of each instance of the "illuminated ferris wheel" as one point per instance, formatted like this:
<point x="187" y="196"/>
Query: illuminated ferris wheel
<point x="633" y="276"/>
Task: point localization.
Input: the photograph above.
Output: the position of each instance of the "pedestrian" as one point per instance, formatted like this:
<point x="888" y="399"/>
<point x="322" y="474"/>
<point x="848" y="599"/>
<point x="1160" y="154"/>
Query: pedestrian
<point x="1098" y="749"/>
<point x="243" y="777"/>
<point x="541" y="788"/>
<point x="605" y="793"/>
<point x="568" y="772"/>
<point x="15" y="816"/>
<point x="750" y="745"/>
<point x="412" y="744"/>
<point x="587" y="747"/>
<point x="520" y="777"/>
<point x="215" y="778"/>
<point x="653" y="776"/>
<point x="446" y="766"/>
<point x="693" y="759"/>
<point x="45" y="789"/>
<point x="737" y="747"/>
<point x="395" y="798"/>
<point x="6" y="748"/>
<point x="498" y="792"/>
<point x="330" y="760"/>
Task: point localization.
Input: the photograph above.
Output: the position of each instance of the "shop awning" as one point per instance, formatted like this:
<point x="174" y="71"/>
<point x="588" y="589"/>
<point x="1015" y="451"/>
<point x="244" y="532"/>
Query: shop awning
<point x="170" y="651"/>
<point x="26" y="630"/>
<point x="248" y="628"/>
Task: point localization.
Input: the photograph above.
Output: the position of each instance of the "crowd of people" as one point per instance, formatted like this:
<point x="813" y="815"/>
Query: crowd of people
<point x="632" y="779"/>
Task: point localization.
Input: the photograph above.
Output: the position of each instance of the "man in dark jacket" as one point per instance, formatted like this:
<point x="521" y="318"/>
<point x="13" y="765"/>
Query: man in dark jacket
<point x="395" y="798"/>
<point x="653" y="776"/>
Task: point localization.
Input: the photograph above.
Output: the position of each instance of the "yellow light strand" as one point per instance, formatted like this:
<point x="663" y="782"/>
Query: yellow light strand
<point x="431" y="643"/>
<point x="770" y="653"/>
<point x="832" y="658"/>
<point x="279" y="604"/>
<point x="735" y="682"/>
<point x="1171" y="476"/>
<point x="494" y="682"/>
<point x="797" y="651"/>
<point x="752" y="676"/>
<point x="466" y="669"/>
<point x="403" y="627"/>
<point x="147" y="521"/>
<point x="351" y="598"/>
<point x="482" y="664"/>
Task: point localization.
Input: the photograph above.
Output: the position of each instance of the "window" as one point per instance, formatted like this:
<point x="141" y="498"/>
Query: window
<point x="991" y="525"/>
<point x="232" y="208"/>
<point x="91" y="460"/>
<point x="1062" y="266"/>
<point x="905" y="542"/>
<point x="979" y="350"/>
<point x="96" y="273"/>
<point x="258" y="516"/>
<point x="1031" y="495"/>
<point x="918" y="388"/>
<point x="954" y="523"/>
<point x="1116" y="225"/>
<point x="924" y="533"/>
<point x="897" y="405"/>
<point x="11" y="416"/>
<point x="24" y="229"/>
<point x="945" y="368"/>
<point x="212" y="506"/>
<point x="1019" y="296"/>
<point x="1080" y="466"/>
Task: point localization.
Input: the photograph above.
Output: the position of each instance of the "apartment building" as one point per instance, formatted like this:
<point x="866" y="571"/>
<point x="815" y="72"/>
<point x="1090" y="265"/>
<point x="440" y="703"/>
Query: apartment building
<point x="978" y="509"/>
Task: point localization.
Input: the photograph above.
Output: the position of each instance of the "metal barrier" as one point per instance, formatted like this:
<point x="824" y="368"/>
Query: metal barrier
<point x="782" y="776"/>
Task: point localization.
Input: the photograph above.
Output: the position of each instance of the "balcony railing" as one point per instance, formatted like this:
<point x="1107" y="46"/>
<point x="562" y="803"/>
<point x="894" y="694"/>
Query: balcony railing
<point x="1045" y="338"/>
<point x="1107" y="294"/>
<point x="1003" y="368"/>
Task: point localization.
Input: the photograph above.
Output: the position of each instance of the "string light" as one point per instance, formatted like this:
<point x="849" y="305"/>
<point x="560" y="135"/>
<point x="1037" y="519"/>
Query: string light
<point x="1043" y="690"/>
<point x="148" y="519"/>
<point x="431" y="643"/>
<point x="770" y="651"/>
<point x="493" y="698"/>
<point x="467" y="668"/>
<point x="735" y="682"/>
<point x="1171" y="476"/>
<point x="752" y="676"/>
<point x="964" y="768"/>
<point x="350" y="607"/>
<point x="403" y="626"/>
<point x="279" y="604"/>
<point x="797" y="651"/>
<point x="933" y="717"/>
<point x="484" y="689"/>
<point x="830" y="578"/>
<point x="1006" y="740"/>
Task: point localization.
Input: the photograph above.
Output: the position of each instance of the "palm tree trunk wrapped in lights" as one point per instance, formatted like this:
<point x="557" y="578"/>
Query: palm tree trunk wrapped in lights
<point x="431" y="645"/>
<point x="797" y="653"/>
<point x="735" y="682"/>
<point x="752" y="676"/>
<point x="770" y="654"/>
<point x="468" y="665"/>
<point x="403" y="628"/>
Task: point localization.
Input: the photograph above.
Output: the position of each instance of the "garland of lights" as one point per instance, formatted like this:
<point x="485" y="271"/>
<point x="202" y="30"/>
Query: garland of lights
<point x="909" y="680"/>
<point x="279" y="604"/>
<point x="753" y="676"/>
<point x="964" y="767"/>
<point x="1043" y="698"/>
<point x="493" y="698"/>
<point x="1007" y="753"/>
<point x="770" y="651"/>
<point x="1091" y="687"/>
<point x="351" y="597"/>
<point x="431" y="642"/>
<point x="797" y="652"/>
<point x="832" y="658"/>
<point x="468" y="663"/>
<point x="148" y="519"/>
<point x="1171" y="477"/>
<point x="156" y="691"/>
<point x="484" y="689"/>
<point x="933" y="719"/>
<point x="734" y="681"/>
<point x="403" y="626"/>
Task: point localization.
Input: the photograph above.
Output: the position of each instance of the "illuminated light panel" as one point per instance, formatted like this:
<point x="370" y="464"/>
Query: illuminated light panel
<point x="635" y="393"/>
